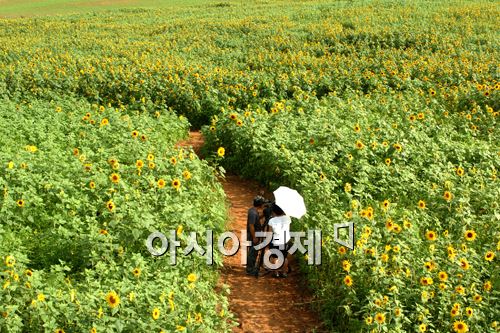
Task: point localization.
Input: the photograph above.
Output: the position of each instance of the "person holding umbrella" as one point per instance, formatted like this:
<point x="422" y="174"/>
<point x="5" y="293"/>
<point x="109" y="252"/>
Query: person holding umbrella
<point x="279" y="225"/>
<point x="289" y="203"/>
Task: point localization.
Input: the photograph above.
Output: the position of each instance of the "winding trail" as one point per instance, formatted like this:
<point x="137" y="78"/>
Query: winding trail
<point x="265" y="304"/>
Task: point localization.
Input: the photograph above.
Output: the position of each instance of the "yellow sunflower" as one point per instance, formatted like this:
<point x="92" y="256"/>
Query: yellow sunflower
<point x="464" y="264"/>
<point x="380" y="318"/>
<point x="348" y="280"/>
<point x="156" y="313"/>
<point x="113" y="299"/>
<point x="460" y="327"/>
<point x="487" y="285"/>
<point x="186" y="174"/>
<point x="470" y="235"/>
<point x="431" y="235"/>
<point x="176" y="183"/>
<point x="110" y="205"/>
<point x="443" y="276"/>
<point x="10" y="261"/>
<point x="115" y="178"/>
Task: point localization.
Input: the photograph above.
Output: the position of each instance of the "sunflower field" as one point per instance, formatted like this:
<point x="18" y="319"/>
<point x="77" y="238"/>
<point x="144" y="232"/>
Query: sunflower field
<point x="382" y="113"/>
<point x="82" y="188"/>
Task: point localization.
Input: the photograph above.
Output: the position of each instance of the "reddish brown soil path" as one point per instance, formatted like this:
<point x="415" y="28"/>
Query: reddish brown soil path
<point x="265" y="304"/>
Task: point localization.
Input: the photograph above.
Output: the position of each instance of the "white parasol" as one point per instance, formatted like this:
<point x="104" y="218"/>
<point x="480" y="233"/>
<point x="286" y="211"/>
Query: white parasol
<point x="290" y="201"/>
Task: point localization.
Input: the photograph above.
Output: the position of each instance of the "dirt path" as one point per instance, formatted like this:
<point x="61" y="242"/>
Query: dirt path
<point x="265" y="304"/>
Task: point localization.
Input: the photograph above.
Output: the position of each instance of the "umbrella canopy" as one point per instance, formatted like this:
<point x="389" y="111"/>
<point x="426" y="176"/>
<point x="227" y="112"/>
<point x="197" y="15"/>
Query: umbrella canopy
<point x="290" y="201"/>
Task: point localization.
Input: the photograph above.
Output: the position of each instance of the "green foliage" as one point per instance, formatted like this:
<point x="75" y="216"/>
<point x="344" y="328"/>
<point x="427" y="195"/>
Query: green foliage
<point x="76" y="233"/>
<point x="352" y="103"/>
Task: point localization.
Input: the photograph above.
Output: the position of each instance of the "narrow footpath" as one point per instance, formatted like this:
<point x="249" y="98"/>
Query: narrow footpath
<point x="263" y="304"/>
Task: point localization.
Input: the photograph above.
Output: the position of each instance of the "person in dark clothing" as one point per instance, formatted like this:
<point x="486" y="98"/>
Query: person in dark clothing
<point x="255" y="214"/>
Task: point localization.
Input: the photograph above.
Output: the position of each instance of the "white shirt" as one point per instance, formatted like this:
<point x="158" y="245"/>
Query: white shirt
<point x="281" y="229"/>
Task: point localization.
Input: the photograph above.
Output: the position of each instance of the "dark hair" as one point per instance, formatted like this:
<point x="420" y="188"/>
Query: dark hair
<point x="258" y="201"/>
<point x="277" y="210"/>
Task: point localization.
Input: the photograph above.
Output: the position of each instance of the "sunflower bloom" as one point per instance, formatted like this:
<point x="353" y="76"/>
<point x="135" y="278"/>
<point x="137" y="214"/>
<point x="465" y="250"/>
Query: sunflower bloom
<point x="176" y="183"/>
<point x="110" y="205"/>
<point x="10" y="261"/>
<point x="221" y="151"/>
<point x="489" y="256"/>
<point x="464" y="264"/>
<point x="348" y="280"/>
<point x="460" y="327"/>
<point x="192" y="277"/>
<point x="380" y="318"/>
<point x="487" y="285"/>
<point x="113" y="299"/>
<point x="470" y="235"/>
<point x="156" y="313"/>
<point x="115" y="178"/>
<point x="346" y="265"/>
<point x="431" y="235"/>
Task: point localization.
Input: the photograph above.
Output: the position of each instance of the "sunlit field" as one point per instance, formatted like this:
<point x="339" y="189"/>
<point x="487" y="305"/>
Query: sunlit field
<point x="380" y="113"/>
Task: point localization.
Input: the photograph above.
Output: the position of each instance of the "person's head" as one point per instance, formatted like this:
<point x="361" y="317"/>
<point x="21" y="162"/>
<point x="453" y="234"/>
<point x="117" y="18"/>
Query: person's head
<point x="277" y="210"/>
<point x="258" y="201"/>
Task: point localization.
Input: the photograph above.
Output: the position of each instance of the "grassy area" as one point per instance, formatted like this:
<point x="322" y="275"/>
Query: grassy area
<point x="15" y="8"/>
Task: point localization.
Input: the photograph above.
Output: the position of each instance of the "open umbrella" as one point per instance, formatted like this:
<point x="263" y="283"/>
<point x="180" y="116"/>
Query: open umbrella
<point x="290" y="201"/>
